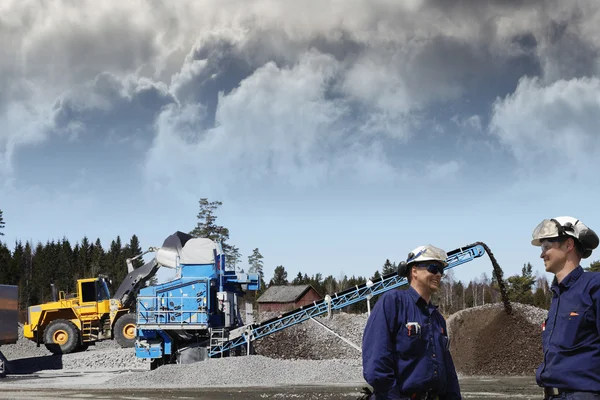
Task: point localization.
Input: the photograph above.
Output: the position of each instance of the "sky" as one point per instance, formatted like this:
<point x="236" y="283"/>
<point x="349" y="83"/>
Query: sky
<point x="336" y="134"/>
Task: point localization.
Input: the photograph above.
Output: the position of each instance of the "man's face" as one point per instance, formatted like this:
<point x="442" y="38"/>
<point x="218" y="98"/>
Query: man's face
<point x="428" y="274"/>
<point x="554" y="254"/>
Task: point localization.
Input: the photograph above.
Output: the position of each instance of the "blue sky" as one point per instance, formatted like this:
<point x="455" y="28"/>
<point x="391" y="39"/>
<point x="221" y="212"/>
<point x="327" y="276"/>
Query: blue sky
<point x="335" y="135"/>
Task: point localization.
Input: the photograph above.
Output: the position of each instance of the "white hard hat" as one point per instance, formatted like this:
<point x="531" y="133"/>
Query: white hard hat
<point x="427" y="253"/>
<point x="566" y="226"/>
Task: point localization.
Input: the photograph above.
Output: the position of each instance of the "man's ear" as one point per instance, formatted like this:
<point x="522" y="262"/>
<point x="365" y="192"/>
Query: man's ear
<point x="570" y="242"/>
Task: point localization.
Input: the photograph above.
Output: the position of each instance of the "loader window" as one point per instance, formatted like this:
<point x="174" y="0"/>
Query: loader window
<point x="102" y="291"/>
<point x="88" y="292"/>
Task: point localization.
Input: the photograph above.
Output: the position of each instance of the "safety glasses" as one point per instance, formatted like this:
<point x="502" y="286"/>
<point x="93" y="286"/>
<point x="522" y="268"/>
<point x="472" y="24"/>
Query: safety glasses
<point x="433" y="268"/>
<point x="547" y="244"/>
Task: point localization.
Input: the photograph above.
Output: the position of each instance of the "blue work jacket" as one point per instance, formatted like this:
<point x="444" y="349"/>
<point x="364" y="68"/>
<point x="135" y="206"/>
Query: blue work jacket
<point x="571" y="339"/>
<point x="399" y="360"/>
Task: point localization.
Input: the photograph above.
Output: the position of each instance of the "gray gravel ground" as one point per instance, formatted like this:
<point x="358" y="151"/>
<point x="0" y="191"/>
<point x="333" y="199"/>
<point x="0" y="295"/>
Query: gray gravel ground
<point x="24" y="357"/>
<point x="243" y="372"/>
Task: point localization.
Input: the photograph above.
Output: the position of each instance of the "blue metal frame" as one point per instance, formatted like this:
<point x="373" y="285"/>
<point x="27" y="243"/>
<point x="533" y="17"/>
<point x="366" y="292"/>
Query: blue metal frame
<point x="338" y="301"/>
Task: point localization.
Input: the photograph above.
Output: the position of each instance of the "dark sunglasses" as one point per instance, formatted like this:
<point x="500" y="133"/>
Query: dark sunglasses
<point x="432" y="268"/>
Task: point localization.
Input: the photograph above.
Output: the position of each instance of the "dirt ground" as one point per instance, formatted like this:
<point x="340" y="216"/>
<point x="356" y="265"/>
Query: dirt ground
<point x="474" y="388"/>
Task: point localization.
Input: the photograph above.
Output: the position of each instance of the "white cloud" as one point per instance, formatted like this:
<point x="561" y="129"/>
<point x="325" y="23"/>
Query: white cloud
<point x="552" y="126"/>
<point x="278" y="123"/>
<point x="447" y="170"/>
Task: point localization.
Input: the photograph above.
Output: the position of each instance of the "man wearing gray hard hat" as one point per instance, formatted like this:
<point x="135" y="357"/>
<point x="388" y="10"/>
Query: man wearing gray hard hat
<point x="571" y="333"/>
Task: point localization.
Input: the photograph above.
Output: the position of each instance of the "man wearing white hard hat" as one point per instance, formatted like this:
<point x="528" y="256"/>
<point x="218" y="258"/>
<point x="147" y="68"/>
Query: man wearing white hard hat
<point x="405" y="343"/>
<point x="570" y="368"/>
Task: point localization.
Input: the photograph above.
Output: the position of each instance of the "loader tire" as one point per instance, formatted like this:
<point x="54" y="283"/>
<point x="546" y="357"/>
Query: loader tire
<point x="125" y="330"/>
<point x="61" y="337"/>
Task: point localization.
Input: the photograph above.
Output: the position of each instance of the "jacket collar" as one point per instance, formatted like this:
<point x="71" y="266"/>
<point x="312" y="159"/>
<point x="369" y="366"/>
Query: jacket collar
<point x="569" y="279"/>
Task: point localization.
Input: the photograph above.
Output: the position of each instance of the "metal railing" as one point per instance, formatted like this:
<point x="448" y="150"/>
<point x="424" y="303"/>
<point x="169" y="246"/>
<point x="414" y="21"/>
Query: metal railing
<point x="154" y="311"/>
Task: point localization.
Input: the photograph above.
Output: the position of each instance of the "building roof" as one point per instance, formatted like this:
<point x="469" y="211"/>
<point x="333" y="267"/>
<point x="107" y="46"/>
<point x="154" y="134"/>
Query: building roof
<point x="284" y="293"/>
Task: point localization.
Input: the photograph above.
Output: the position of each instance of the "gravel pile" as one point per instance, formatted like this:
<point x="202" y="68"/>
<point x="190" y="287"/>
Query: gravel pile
<point x="533" y="314"/>
<point x="243" y="372"/>
<point x="310" y="341"/>
<point x="487" y="341"/>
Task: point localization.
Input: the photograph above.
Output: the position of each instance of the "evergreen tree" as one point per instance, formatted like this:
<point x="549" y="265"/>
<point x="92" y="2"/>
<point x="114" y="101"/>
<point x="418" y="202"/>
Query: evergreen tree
<point x="540" y="299"/>
<point x="279" y="277"/>
<point x="234" y="259"/>
<point x="83" y="257"/>
<point x="117" y="267"/>
<point x="2" y="224"/>
<point x="26" y="282"/>
<point x="594" y="267"/>
<point x="255" y="263"/>
<point x="298" y="280"/>
<point x="519" y="287"/>
<point x="207" y="228"/>
<point x="317" y="283"/>
<point x="388" y="268"/>
<point x="134" y="249"/>
<point x="97" y="259"/>
<point x="5" y="267"/>
<point x="330" y="284"/>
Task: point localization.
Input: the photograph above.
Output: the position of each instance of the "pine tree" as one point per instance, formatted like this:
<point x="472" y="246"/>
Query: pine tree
<point x="234" y="259"/>
<point x="594" y="267"/>
<point x="134" y="249"/>
<point x="279" y="276"/>
<point x="207" y="228"/>
<point x="255" y="262"/>
<point x="14" y="265"/>
<point x="5" y="261"/>
<point x="519" y="287"/>
<point x="388" y="268"/>
<point x="26" y="283"/>
<point x="1" y="223"/>
<point x="298" y="280"/>
<point x="83" y="259"/>
<point x="117" y="265"/>
<point x="97" y="259"/>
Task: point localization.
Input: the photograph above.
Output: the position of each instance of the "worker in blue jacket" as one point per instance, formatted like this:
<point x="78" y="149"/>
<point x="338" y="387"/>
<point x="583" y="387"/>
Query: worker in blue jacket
<point x="570" y="367"/>
<point x="405" y="346"/>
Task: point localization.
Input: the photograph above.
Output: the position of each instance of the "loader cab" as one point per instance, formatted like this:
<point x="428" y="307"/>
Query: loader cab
<point x="93" y="296"/>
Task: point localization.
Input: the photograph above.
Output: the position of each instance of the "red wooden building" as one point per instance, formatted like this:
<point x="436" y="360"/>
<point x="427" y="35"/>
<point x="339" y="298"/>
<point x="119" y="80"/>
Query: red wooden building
<point x="286" y="297"/>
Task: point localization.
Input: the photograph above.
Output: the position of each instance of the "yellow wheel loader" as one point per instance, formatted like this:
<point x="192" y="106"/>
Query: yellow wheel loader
<point x="71" y="323"/>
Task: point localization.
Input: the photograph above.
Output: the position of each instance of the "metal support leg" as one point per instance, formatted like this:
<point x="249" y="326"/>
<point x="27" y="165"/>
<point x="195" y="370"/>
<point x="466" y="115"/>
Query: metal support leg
<point x="343" y="338"/>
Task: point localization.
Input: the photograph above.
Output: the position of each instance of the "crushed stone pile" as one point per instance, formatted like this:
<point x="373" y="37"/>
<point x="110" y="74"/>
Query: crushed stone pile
<point x="310" y="341"/>
<point x="25" y="357"/>
<point x="486" y="341"/>
<point x="244" y="371"/>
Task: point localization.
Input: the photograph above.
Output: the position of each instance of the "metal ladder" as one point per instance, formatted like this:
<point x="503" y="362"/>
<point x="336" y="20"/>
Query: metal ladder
<point x="88" y="333"/>
<point x="218" y="336"/>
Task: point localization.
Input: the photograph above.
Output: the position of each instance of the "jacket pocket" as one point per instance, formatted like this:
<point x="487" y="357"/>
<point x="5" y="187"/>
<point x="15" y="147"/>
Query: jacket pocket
<point x="571" y="328"/>
<point x="409" y="346"/>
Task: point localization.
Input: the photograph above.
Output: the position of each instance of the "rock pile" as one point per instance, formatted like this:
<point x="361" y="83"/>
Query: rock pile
<point x="310" y="341"/>
<point x="487" y="341"/>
